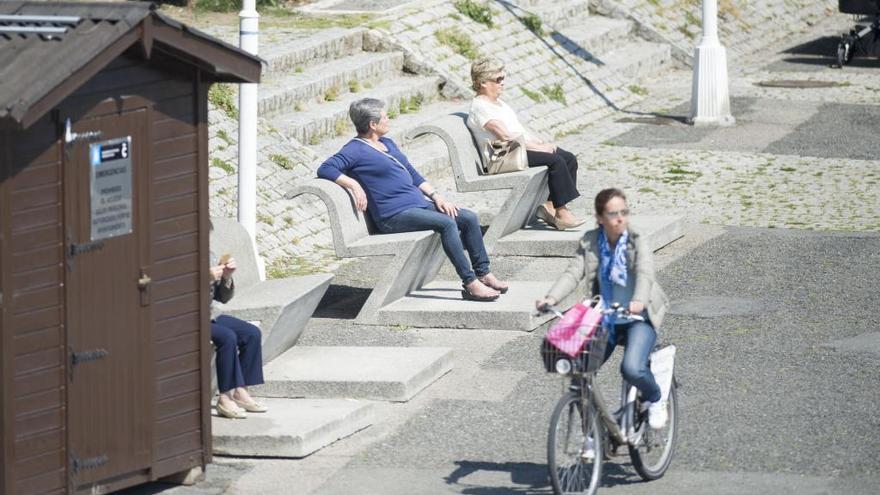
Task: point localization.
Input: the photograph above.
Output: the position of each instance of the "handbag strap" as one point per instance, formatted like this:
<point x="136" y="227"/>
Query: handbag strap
<point x="389" y="155"/>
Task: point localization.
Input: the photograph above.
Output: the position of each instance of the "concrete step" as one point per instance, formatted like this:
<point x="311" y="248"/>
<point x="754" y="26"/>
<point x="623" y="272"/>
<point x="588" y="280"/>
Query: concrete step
<point x="637" y="58"/>
<point x="288" y="50"/>
<point x="376" y="373"/>
<point x="439" y="305"/>
<point x="594" y="36"/>
<point x="328" y="120"/>
<point x="281" y="307"/>
<point x="555" y="15"/>
<point x="318" y="83"/>
<point x="291" y="428"/>
<point x="540" y="240"/>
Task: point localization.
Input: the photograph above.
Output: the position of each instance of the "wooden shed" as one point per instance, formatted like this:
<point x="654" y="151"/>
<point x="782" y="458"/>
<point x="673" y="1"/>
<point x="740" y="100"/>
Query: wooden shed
<point x="104" y="312"/>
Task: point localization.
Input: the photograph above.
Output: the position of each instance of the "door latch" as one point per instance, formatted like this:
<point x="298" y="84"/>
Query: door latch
<point x="144" y="282"/>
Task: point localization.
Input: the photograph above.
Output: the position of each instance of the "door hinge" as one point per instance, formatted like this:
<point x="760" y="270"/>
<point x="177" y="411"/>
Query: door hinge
<point x="77" y="464"/>
<point x="86" y="247"/>
<point x="86" y="356"/>
<point x="70" y="136"/>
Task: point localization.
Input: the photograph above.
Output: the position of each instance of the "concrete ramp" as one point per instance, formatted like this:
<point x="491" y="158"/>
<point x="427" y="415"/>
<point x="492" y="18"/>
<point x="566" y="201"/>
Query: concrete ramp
<point x="377" y="373"/>
<point x="660" y="230"/>
<point x="291" y="428"/>
<point x="439" y="305"/>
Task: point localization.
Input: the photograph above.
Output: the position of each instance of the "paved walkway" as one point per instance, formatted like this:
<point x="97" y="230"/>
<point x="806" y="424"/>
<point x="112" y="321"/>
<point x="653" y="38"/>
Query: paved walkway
<point x="774" y="397"/>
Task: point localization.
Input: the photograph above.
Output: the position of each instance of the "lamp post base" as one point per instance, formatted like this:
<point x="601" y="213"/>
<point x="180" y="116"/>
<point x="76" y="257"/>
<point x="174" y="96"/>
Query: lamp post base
<point x="710" y="98"/>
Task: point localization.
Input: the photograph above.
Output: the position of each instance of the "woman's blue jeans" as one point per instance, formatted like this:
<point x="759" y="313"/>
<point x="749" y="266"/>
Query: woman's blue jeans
<point x="639" y="338"/>
<point x="457" y="234"/>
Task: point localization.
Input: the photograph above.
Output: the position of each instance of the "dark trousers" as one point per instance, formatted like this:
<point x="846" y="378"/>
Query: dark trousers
<point x="458" y="234"/>
<point x="562" y="169"/>
<point x="239" y="353"/>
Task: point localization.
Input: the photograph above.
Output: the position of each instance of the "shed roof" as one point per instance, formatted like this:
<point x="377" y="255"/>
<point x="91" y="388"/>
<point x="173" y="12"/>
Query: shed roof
<point x="37" y="71"/>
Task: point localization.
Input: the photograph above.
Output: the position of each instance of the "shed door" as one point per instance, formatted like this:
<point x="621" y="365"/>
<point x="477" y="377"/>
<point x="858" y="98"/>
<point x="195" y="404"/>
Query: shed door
<point x="110" y="378"/>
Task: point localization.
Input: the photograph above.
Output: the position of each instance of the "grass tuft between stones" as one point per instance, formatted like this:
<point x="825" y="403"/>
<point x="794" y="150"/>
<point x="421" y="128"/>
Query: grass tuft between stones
<point x="458" y="41"/>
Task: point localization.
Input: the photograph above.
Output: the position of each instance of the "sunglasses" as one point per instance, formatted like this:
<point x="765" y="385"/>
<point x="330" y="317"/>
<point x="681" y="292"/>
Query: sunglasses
<point x="498" y="80"/>
<point x="617" y="213"/>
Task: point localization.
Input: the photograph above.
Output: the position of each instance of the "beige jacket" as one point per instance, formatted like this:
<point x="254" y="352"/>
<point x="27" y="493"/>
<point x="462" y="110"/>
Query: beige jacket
<point x="639" y="261"/>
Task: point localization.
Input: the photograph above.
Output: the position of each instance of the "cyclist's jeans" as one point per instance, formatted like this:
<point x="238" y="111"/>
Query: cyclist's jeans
<point x="639" y="338"/>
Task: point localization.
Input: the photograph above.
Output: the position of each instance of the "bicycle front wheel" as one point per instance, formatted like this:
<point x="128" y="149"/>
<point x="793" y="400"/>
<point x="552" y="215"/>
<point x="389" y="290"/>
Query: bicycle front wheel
<point x="574" y="446"/>
<point x="652" y="455"/>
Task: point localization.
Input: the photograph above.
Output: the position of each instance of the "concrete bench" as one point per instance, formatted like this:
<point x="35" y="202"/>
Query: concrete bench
<point x="514" y="230"/>
<point x="417" y="256"/>
<point x="282" y="307"/>
<point x="528" y="188"/>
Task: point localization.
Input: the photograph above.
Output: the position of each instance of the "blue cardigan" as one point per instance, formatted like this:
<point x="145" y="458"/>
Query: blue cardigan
<point x="390" y="187"/>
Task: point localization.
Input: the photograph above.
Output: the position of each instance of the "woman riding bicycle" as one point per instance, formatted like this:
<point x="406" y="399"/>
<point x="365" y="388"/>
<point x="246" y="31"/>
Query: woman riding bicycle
<point x="616" y="263"/>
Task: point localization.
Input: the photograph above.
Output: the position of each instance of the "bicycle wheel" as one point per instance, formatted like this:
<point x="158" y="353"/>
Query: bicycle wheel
<point x="652" y="455"/>
<point x="574" y="429"/>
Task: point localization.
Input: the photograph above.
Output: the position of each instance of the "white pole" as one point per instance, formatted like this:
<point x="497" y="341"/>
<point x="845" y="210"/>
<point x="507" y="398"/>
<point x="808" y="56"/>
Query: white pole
<point x="247" y="131"/>
<point x="710" y="97"/>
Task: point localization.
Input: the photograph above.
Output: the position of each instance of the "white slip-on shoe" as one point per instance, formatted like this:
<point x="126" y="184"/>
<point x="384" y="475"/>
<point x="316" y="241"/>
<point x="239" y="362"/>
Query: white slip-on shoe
<point x="589" y="452"/>
<point x="657" y="414"/>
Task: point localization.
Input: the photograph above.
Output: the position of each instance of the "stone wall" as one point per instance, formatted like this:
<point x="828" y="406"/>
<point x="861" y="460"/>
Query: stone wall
<point x="744" y="26"/>
<point x="292" y="235"/>
<point x="556" y="91"/>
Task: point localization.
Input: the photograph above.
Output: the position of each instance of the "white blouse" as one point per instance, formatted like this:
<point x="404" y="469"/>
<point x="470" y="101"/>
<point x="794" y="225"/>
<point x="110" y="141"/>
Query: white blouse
<point x="483" y="111"/>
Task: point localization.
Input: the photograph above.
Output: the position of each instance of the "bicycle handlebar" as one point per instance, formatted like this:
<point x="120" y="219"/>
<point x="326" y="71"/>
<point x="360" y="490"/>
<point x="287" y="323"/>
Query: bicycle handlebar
<point x="616" y="309"/>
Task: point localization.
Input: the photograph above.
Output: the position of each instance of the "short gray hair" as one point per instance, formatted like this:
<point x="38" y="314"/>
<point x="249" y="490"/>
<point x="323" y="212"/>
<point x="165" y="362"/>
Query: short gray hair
<point x="364" y="111"/>
<point x="483" y="69"/>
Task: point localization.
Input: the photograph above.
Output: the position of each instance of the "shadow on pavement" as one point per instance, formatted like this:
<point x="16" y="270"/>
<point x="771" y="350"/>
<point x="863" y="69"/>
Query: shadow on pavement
<point x="524" y="477"/>
<point x="823" y="51"/>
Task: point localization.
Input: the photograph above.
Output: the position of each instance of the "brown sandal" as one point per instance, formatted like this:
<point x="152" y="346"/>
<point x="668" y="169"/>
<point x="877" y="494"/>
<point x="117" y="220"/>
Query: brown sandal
<point x="469" y="296"/>
<point x="500" y="289"/>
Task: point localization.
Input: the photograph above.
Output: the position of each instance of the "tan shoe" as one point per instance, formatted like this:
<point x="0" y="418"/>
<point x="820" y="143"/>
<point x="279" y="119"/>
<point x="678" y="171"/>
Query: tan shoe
<point x="230" y="413"/>
<point x="563" y="225"/>
<point x="544" y="214"/>
<point x="252" y="406"/>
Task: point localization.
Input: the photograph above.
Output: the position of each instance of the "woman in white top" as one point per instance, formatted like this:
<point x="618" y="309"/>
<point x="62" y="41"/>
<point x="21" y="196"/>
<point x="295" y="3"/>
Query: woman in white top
<point x="490" y="119"/>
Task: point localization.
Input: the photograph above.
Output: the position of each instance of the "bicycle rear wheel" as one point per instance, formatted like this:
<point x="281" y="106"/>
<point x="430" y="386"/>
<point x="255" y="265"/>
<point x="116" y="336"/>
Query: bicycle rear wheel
<point x="574" y="446"/>
<point x="653" y="453"/>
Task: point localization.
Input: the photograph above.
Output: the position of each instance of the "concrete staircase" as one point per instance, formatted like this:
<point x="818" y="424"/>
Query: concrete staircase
<point x="318" y="395"/>
<point x="306" y="92"/>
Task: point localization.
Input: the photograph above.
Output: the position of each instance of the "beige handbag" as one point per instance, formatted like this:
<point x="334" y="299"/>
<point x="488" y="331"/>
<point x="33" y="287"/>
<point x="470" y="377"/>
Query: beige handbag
<point x="507" y="156"/>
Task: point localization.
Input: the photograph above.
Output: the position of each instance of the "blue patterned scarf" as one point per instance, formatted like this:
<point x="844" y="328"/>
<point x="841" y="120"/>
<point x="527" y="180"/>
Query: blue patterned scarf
<point x="612" y="266"/>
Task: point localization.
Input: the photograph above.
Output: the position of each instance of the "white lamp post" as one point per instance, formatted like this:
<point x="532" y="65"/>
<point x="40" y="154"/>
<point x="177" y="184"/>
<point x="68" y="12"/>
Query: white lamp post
<point x="710" y="97"/>
<point x="247" y="131"/>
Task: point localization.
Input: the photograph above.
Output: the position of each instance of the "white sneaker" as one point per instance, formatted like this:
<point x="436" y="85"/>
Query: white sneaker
<point x="589" y="451"/>
<point x="657" y="415"/>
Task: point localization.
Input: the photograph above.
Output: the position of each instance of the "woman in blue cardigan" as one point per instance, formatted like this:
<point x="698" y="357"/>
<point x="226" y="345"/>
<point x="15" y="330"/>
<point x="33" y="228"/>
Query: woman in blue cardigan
<point x="398" y="199"/>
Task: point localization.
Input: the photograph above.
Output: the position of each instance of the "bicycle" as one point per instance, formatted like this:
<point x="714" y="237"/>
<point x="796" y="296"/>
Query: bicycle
<point x="577" y="443"/>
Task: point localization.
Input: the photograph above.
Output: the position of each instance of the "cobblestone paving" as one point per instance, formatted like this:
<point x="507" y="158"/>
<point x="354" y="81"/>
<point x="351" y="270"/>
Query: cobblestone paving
<point x="738" y="188"/>
<point x="743" y="189"/>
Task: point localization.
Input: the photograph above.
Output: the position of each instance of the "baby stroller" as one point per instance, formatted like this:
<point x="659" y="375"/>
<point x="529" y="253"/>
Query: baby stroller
<point x="856" y="39"/>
